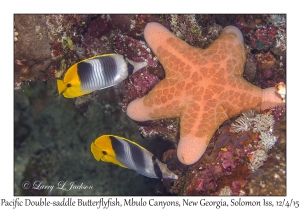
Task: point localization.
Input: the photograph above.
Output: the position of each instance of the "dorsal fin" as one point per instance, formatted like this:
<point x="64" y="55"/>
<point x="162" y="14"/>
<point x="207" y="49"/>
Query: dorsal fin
<point x="136" y="66"/>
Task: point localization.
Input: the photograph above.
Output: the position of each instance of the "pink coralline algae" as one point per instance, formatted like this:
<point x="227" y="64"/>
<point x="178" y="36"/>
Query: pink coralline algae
<point x="98" y="27"/>
<point x="225" y="158"/>
<point x="140" y="83"/>
<point x="136" y="86"/>
<point x="277" y="112"/>
<point x="246" y="23"/>
<point x="138" y="50"/>
<point x="263" y="32"/>
<point x="270" y="70"/>
<point x="263" y="38"/>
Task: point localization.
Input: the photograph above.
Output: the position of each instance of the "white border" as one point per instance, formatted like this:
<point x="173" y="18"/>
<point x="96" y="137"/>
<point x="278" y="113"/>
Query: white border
<point x="137" y="7"/>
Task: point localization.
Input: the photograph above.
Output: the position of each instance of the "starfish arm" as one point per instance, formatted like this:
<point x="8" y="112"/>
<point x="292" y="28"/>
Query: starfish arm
<point x="136" y="110"/>
<point x="198" y="123"/>
<point x="228" y="49"/>
<point x="156" y="36"/>
<point x="171" y="51"/>
<point x="190" y="149"/>
<point x="270" y="98"/>
<point x="159" y="103"/>
<point x="236" y="31"/>
<point x="239" y="96"/>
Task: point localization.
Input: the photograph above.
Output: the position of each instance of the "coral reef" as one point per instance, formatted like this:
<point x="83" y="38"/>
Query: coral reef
<point x="32" y="49"/>
<point x="233" y="160"/>
<point x="44" y="45"/>
<point x="265" y="38"/>
<point x="270" y="179"/>
<point x="186" y="27"/>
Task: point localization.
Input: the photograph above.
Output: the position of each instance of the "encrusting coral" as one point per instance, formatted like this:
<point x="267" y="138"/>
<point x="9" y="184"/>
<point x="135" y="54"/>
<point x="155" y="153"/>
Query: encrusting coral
<point x="204" y="87"/>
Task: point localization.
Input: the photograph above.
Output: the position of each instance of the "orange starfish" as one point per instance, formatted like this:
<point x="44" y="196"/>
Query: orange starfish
<point x="204" y="87"/>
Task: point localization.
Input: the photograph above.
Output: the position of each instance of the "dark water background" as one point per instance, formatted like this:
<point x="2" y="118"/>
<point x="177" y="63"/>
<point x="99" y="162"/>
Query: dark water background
<point x="52" y="137"/>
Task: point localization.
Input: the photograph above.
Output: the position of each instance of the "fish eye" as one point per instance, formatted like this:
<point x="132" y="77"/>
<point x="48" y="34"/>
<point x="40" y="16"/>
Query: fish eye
<point x="104" y="152"/>
<point x="68" y="85"/>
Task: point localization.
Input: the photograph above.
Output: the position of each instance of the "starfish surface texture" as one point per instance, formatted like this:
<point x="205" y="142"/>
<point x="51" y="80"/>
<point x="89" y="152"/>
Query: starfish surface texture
<point x="203" y="87"/>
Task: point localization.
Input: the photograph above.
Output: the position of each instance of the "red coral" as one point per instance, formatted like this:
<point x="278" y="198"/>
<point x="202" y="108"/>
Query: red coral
<point x="134" y="49"/>
<point x="263" y="38"/>
<point x="57" y="48"/>
<point x="98" y="27"/>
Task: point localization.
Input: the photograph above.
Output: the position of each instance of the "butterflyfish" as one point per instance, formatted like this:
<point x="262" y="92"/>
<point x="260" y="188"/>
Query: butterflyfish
<point x="96" y="73"/>
<point x="128" y="154"/>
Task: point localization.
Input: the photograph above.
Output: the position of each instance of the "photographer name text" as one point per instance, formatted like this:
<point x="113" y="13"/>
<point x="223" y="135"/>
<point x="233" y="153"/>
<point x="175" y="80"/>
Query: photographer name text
<point x="106" y="203"/>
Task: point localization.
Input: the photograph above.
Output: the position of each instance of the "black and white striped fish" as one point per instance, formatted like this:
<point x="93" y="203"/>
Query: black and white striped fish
<point x="128" y="154"/>
<point x="96" y="73"/>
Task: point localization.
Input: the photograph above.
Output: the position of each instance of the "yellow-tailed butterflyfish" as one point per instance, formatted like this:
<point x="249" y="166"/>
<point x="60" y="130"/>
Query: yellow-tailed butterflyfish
<point x="128" y="154"/>
<point x="96" y="73"/>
